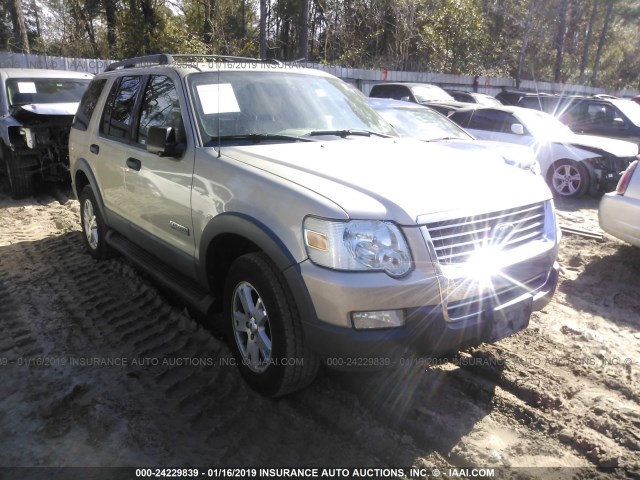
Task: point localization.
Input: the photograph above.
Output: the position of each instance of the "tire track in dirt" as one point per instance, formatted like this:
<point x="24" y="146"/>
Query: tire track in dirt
<point x="175" y="411"/>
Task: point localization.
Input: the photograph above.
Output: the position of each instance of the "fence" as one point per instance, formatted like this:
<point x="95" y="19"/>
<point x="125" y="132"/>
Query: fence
<point x="362" y="78"/>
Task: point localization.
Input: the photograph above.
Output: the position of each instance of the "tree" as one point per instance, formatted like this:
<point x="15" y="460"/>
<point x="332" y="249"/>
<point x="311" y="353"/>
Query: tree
<point x="601" y="42"/>
<point x="19" y="27"/>
<point x="587" y="41"/>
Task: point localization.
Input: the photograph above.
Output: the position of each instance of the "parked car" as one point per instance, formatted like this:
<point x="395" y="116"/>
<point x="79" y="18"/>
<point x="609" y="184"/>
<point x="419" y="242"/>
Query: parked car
<point x="572" y="164"/>
<point x="422" y="93"/>
<point x="603" y="116"/>
<point x="421" y="122"/>
<point x="36" y="110"/>
<point x="276" y="196"/>
<point x="619" y="212"/>
<point x="474" y="97"/>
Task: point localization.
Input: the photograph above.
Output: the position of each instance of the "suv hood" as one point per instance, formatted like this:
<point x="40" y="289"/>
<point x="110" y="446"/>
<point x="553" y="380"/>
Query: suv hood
<point x="38" y="111"/>
<point x="520" y="156"/>
<point x="399" y="180"/>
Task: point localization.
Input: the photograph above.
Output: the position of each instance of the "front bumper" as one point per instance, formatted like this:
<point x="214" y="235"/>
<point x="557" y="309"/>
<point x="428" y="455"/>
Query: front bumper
<point x="427" y="330"/>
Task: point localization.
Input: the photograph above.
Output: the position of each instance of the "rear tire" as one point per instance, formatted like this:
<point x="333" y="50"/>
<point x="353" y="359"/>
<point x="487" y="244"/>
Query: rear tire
<point x="263" y="328"/>
<point x="20" y="182"/>
<point x="94" y="228"/>
<point x="568" y="179"/>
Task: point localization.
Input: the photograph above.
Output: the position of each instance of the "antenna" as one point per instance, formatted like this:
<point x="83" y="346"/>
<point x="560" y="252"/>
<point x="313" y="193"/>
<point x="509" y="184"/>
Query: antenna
<point x="219" y="141"/>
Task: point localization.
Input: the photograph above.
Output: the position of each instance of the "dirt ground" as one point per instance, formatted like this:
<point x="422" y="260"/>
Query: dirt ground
<point x="98" y="368"/>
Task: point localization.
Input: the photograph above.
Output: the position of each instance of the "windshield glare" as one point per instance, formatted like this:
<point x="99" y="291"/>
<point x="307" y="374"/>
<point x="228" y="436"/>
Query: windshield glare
<point x="229" y="104"/>
<point x="422" y="123"/>
<point x="542" y="125"/>
<point x="24" y="91"/>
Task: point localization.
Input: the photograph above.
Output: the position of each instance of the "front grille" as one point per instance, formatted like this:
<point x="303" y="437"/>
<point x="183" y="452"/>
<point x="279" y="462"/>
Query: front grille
<point x="472" y="307"/>
<point x="456" y="240"/>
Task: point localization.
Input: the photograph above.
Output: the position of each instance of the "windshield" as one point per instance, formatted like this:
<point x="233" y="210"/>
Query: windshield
<point x="542" y="125"/>
<point x="240" y="103"/>
<point x="630" y="109"/>
<point x="430" y="93"/>
<point x="24" y="91"/>
<point x="423" y="124"/>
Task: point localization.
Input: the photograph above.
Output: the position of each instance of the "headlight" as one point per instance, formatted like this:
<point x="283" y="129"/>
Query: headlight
<point x="357" y="245"/>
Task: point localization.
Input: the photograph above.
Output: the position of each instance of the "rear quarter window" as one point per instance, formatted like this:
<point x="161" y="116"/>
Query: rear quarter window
<point x="88" y="105"/>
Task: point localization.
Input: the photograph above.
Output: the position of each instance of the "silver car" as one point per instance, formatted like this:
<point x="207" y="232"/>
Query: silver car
<point x="276" y="196"/>
<point x="619" y="212"/>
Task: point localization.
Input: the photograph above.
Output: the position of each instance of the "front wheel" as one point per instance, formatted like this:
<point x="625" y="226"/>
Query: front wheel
<point x="93" y="227"/>
<point x="263" y="328"/>
<point x="568" y="179"/>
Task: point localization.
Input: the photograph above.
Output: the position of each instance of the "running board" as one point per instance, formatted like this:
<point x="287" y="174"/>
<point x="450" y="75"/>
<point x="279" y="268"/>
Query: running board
<point x="186" y="288"/>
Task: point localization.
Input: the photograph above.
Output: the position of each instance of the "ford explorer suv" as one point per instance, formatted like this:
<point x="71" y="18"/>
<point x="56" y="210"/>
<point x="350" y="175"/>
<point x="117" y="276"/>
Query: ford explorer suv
<point x="276" y="196"/>
<point x="36" y="111"/>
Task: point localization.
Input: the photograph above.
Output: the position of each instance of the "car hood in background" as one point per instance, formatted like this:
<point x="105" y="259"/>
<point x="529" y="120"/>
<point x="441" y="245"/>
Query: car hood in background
<point x="612" y="146"/>
<point x="397" y="179"/>
<point x="35" y="111"/>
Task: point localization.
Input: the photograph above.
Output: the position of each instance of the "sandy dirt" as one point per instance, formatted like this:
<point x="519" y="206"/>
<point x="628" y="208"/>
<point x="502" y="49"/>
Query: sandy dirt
<point x="98" y="368"/>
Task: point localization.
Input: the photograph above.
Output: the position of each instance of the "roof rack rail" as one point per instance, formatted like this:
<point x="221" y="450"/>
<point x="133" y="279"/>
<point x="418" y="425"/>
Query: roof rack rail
<point x="160" y="59"/>
<point x="226" y="58"/>
<point x="166" y="59"/>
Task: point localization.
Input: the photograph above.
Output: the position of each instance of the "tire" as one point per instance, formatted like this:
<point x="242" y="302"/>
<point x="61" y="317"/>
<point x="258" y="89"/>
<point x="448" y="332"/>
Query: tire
<point x="568" y="179"/>
<point x="94" y="228"/>
<point x="20" y="183"/>
<point x="263" y="328"/>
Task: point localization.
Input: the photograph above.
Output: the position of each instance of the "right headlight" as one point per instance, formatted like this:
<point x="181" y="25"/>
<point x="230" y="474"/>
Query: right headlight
<point x="360" y="245"/>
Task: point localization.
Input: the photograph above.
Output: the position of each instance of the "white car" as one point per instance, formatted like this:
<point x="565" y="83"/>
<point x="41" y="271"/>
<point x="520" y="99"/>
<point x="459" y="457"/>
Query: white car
<point x="572" y="164"/>
<point x="421" y="122"/>
<point x="619" y="212"/>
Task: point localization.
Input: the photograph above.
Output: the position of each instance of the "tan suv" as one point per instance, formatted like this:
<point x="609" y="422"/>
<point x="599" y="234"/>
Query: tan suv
<point x="276" y="195"/>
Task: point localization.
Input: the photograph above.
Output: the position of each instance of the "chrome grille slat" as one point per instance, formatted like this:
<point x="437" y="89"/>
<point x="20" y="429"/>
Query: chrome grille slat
<point x="456" y="239"/>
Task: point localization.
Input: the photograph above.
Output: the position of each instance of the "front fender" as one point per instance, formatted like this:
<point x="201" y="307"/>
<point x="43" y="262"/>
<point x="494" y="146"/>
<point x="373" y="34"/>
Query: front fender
<point x="81" y="166"/>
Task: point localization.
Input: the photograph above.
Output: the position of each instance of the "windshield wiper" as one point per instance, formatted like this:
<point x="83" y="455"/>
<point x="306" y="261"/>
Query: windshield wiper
<point x="347" y="132"/>
<point x="440" y="139"/>
<point x="258" y="137"/>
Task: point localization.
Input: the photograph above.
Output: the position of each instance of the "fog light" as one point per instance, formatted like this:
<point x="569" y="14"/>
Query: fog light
<point x="379" y="319"/>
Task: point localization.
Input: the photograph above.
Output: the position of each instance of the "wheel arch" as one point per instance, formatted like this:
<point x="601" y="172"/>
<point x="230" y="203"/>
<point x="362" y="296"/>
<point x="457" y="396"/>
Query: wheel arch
<point x="83" y="176"/>
<point x="230" y="235"/>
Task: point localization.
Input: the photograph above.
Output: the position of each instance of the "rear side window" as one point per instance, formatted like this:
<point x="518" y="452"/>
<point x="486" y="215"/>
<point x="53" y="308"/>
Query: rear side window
<point x="397" y="92"/>
<point x="491" y="120"/>
<point x="118" y="114"/>
<point x="88" y="104"/>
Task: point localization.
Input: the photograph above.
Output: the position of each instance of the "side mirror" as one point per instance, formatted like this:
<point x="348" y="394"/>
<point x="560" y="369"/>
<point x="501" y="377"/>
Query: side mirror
<point x="406" y="98"/>
<point x="162" y="141"/>
<point x="517" y="128"/>
<point x="619" y="123"/>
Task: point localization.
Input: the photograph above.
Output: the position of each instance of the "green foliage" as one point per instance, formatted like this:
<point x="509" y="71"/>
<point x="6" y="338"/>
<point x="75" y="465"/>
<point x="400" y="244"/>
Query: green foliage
<point x="491" y="37"/>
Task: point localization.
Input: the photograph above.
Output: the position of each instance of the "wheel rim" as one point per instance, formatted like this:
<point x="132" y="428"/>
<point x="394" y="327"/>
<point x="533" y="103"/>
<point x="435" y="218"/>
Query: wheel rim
<point x="90" y="224"/>
<point x="251" y="327"/>
<point x="566" y="180"/>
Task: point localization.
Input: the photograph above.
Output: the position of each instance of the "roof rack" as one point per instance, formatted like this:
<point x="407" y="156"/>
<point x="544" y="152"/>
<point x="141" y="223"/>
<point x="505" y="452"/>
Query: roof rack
<point x="166" y="59"/>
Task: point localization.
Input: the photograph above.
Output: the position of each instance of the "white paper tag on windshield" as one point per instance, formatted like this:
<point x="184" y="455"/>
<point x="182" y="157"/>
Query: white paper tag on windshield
<point x="27" y="87"/>
<point x="218" y="98"/>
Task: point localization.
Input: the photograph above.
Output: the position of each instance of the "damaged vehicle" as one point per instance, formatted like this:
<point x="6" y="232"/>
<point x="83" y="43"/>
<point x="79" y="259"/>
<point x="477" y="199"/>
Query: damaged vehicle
<point x="36" y="111"/>
<point x="572" y="164"/>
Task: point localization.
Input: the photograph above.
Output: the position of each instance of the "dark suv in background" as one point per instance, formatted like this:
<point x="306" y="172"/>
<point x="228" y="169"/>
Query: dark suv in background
<point x="602" y="115"/>
<point x="36" y="111"/>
